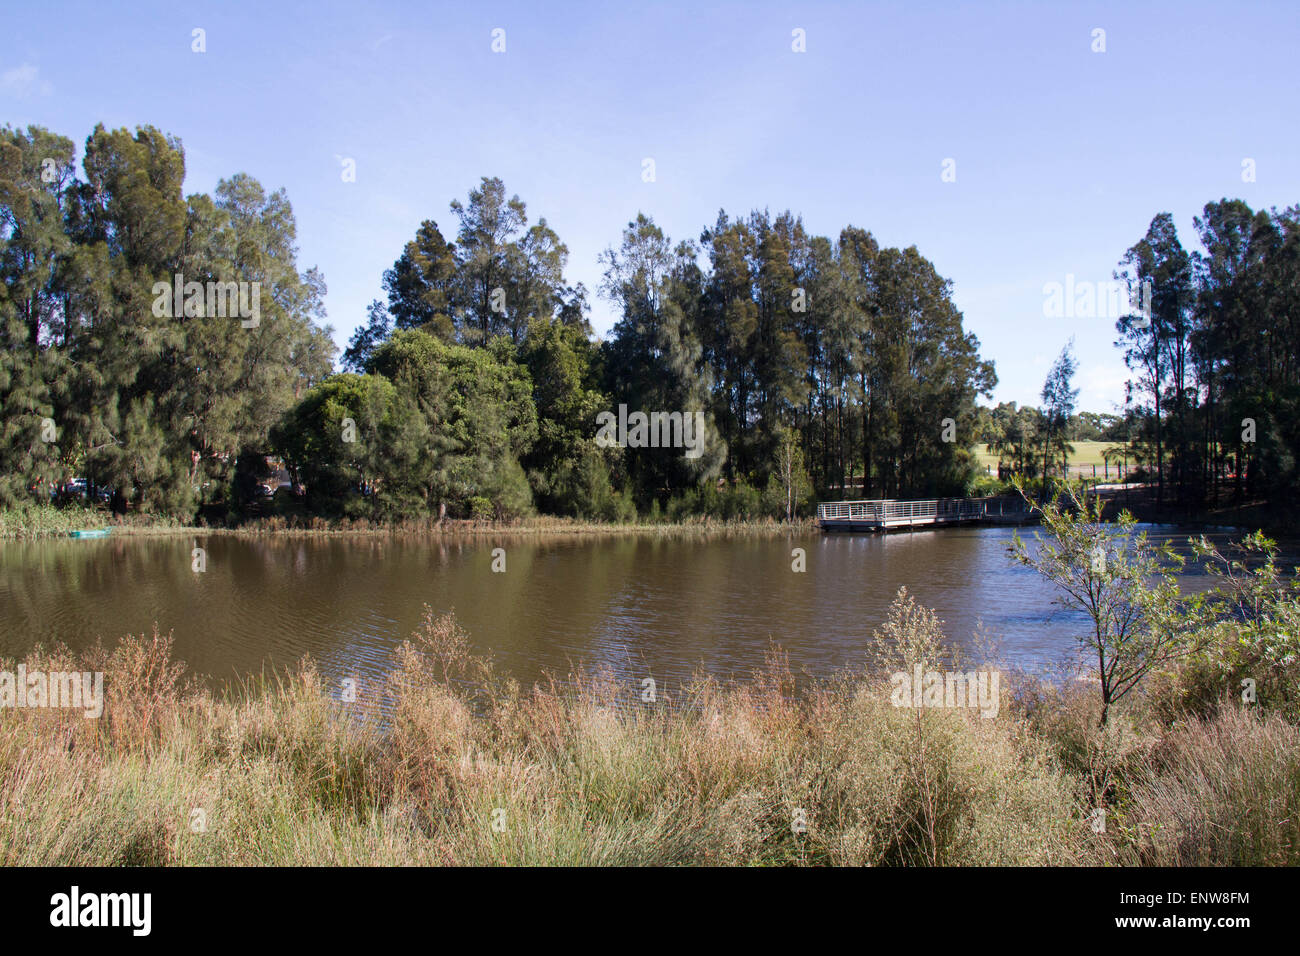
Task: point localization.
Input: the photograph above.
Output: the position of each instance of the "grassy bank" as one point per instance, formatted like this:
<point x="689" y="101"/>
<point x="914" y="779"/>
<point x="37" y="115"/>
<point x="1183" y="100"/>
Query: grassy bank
<point x="467" y="768"/>
<point x="45" y="521"/>
<point x="32" y="521"/>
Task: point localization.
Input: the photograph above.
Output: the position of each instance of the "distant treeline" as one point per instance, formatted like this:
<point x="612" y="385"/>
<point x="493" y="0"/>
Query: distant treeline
<point x="1212" y="415"/>
<point x="1213" y="408"/>
<point x="162" y="346"/>
<point x="1216" y="365"/>
<point x="1030" y="442"/>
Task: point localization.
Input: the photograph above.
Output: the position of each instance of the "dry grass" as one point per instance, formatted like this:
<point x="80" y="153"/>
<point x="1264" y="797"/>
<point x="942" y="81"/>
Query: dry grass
<point x="1218" y="792"/>
<point x="465" y="767"/>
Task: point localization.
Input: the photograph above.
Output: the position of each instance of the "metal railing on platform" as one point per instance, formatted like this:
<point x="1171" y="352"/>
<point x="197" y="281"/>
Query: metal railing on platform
<point x="887" y="511"/>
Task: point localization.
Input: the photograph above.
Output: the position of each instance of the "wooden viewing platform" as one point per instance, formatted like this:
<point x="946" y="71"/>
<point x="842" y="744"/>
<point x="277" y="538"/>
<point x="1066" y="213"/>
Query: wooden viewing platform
<point x="889" y="515"/>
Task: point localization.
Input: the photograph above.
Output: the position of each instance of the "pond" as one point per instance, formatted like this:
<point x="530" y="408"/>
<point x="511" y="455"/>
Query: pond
<point x="642" y="605"/>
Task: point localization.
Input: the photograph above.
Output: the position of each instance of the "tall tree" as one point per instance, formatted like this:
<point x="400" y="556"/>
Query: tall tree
<point x="1156" y="336"/>
<point x="36" y="168"/>
<point x="1058" y="406"/>
<point x="422" y="284"/>
<point x="654" y="360"/>
<point x="489" y="226"/>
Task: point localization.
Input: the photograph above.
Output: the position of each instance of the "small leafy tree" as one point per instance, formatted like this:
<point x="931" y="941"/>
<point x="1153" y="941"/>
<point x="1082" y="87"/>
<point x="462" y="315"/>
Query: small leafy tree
<point x="1257" y="609"/>
<point x="1124" y="582"/>
<point x="789" y="472"/>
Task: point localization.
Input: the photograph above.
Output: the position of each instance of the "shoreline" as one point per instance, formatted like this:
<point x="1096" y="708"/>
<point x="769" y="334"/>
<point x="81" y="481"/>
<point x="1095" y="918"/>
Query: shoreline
<point x="1244" y="518"/>
<point x="46" y="521"/>
<point x="149" y="527"/>
<point x="14" y="528"/>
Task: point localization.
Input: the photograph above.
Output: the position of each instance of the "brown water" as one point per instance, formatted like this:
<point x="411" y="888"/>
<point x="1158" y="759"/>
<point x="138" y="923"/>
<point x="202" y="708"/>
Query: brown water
<point x="644" y="606"/>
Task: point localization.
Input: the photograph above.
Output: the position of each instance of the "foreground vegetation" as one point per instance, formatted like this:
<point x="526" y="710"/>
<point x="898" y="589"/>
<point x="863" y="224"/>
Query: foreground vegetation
<point x="1176" y="742"/>
<point x="450" y="763"/>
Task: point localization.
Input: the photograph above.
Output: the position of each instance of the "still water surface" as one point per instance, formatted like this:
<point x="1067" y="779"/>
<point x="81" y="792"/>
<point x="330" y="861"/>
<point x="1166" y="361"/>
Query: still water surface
<point x="640" y="605"/>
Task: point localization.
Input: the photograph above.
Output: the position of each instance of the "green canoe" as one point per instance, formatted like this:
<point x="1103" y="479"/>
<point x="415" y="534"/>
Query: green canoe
<point x="90" y="533"/>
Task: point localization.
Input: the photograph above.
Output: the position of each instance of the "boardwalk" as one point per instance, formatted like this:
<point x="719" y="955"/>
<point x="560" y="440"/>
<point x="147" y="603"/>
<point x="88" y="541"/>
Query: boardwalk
<point x="889" y="515"/>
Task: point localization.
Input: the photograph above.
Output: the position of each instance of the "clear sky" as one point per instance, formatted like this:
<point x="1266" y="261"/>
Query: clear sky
<point x="1062" y="155"/>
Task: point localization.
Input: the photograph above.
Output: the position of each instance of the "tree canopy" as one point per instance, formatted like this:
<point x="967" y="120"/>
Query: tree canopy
<point x="164" y="347"/>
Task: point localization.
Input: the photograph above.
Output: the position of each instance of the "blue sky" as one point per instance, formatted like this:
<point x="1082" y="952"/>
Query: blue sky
<point x="1062" y="154"/>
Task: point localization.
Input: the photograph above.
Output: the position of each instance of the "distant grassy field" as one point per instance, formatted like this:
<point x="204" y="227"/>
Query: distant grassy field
<point x="1086" y="454"/>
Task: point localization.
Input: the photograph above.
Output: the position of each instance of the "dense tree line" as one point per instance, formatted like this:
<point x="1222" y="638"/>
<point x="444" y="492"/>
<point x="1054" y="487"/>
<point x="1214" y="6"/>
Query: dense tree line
<point x="817" y="366"/>
<point x="1216" y="363"/>
<point x="1211" y="410"/>
<point x="94" y="381"/>
<point x="813" y="363"/>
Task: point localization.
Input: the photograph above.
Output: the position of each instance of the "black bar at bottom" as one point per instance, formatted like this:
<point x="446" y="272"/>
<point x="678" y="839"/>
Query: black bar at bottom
<point x="367" y="906"/>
